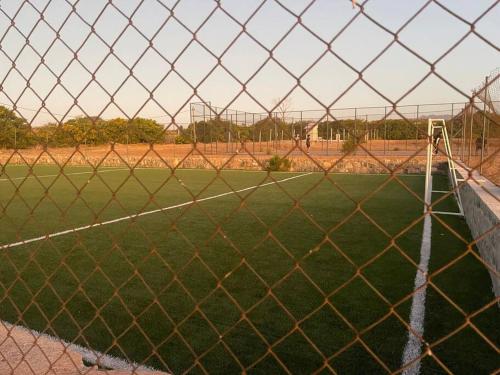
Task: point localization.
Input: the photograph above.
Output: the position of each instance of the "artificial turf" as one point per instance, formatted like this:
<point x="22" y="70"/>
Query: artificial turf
<point x="306" y="274"/>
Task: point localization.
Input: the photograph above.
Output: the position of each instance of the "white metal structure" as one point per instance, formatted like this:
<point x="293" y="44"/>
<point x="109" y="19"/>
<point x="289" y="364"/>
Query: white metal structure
<point x="439" y="125"/>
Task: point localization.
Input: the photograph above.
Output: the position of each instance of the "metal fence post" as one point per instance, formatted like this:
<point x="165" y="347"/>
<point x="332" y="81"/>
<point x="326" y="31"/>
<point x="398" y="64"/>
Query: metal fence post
<point x="451" y="126"/>
<point x="471" y="132"/>
<point x="416" y="129"/>
<point x="483" y="132"/>
<point x="385" y="128"/>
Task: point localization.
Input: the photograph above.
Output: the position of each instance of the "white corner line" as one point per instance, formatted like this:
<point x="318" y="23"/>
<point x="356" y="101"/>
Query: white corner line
<point x="413" y="347"/>
<point x="92" y="356"/>
<point x="145" y="213"/>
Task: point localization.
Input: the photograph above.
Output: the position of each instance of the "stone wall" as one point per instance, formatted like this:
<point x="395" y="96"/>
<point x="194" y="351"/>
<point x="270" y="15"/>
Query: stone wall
<point x="300" y="163"/>
<point x="481" y="203"/>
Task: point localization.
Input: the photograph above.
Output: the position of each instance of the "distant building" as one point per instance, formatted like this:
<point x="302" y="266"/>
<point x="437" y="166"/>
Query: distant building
<point x="312" y="129"/>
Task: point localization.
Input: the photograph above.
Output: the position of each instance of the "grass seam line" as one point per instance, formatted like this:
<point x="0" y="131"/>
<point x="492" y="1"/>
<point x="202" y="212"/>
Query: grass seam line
<point x="140" y="214"/>
<point x="413" y="347"/>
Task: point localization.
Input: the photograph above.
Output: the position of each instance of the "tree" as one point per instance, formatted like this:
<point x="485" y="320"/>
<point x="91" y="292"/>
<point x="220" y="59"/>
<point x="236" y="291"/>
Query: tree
<point x="116" y="130"/>
<point x="145" y="130"/>
<point x="96" y="131"/>
<point x="282" y="106"/>
<point x="15" y="132"/>
<point x="273" y="124"/>
<point x="209" y="131"/>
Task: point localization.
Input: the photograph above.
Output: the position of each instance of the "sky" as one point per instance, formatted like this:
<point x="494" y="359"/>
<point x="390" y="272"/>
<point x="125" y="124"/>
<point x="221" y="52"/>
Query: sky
<point x="117" y="69"/>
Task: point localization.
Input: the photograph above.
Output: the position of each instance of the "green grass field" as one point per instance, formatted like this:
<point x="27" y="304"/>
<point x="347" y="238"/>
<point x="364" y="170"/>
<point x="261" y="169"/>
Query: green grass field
<point x="285" y="274"/>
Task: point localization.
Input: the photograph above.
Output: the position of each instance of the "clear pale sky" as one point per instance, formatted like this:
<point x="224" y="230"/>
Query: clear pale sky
<point x="430" y="34"/>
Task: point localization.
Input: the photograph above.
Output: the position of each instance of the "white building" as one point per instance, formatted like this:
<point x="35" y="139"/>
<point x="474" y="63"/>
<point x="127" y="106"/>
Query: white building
<point x="312" y="129"/>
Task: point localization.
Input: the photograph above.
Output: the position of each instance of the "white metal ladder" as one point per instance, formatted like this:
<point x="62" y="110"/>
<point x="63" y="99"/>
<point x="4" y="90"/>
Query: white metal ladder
<point x="440" y="125"/>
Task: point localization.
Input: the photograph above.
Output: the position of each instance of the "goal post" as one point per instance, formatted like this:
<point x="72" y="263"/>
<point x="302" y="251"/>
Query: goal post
<point x="437" y="132"/>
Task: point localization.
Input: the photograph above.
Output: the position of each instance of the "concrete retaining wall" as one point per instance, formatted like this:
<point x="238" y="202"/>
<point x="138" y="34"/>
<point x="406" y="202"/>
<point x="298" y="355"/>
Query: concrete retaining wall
<point x="481" y="203"/>
<point x="300" y="163"/>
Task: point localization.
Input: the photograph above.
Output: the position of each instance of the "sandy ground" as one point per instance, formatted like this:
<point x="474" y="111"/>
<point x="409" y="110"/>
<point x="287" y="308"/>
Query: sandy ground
<point x="23" y="352"/>
<point x="331" y="149"/>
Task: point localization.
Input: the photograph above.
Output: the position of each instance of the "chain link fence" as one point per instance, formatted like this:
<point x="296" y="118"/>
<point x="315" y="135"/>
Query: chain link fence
<point x="151" y="223"/>
<point x="382" y="133"/>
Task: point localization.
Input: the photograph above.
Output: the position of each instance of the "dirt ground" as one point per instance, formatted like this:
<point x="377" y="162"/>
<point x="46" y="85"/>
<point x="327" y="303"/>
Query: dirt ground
<point x="23" y="352"/>
<point x="331" y="150"/>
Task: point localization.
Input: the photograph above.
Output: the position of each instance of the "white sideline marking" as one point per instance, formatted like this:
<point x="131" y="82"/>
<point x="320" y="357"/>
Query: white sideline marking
<point x="447" y="213"/>
<point x="124" y="218"/>
<point x="92" y="356"/>
<point x="65" y="174"/>
<point x="112" y="169"/>
<point x="413" y="347"/>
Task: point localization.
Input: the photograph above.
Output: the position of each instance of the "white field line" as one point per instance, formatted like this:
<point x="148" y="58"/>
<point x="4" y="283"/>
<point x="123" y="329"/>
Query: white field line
<point x="65" y="174"/>
<point x="111" y="169"/>
<point x="91" y="356"/>
<point x="145" y="213"/>
<point x="413" y="348"/>
<point x="114" y="170"/>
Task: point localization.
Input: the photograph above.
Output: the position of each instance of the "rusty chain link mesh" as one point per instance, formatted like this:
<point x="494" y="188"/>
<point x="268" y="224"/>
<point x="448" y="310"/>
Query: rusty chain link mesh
<point x="191" y="294"/>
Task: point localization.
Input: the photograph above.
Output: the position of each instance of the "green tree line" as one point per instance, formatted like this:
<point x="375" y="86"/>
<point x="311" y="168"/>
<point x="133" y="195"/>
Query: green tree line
<point x="271" y="129"/>
<point x="15" y="132"/>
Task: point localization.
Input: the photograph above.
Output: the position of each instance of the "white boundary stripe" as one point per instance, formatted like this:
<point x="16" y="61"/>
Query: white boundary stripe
<point x="447" y="213"/>
<point x="112" y="169"/>
<point x="124" y="218"/>
<point x="65" y="174"/>
<point x="135" y="169"/>
<point x="92" y="356"/>
<point x="413" y="347"/>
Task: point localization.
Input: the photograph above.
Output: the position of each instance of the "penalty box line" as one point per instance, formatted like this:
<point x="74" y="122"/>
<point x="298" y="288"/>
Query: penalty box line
<point x="134" y="216"/>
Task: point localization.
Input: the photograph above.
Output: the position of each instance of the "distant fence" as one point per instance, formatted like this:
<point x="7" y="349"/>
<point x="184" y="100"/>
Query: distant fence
<point x="379" y="128"/>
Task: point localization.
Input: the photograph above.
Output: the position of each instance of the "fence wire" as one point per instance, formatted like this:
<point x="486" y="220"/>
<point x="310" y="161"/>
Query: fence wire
<point x="153" y="327"/>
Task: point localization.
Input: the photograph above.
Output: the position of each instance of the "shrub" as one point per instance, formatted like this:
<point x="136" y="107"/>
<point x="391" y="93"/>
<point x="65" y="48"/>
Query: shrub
<point x="278" y="164"/>
<point x="348" y="146"/>
<point x="181" y="140"/>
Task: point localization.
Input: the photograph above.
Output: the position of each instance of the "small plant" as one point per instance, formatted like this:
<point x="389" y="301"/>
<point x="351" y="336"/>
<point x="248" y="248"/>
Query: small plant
<point x="278" y="164"/>
<point x="348" y="146"/>
<point x="180" y="140"/>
